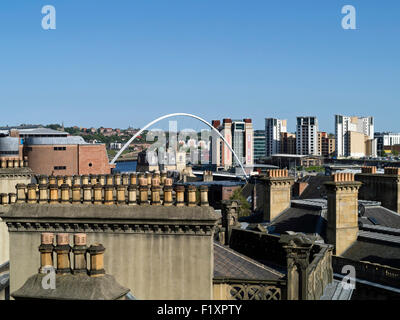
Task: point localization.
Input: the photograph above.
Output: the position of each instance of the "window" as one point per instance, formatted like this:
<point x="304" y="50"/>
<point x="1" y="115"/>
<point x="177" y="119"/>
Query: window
<point x="9" y="152"/>
<point x="60" y="168"/>
<point x="90" y="164"/>
<point x="60" y="148"/>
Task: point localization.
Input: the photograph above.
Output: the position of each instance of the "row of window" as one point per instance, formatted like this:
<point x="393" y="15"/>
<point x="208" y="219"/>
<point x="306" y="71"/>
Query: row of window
<point x="8" y="152"/>
<point x="60" y="148"/>
<point x="60" y="168"/>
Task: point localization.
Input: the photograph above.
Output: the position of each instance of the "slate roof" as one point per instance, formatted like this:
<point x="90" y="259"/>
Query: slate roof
<point x="374" y="251"/>
<point x="229" y="264"/>
<point x="384" y="217"/>
<point x="299" y="220"/>
<point x="315" y="188"/>
<point x="72" y="287"/>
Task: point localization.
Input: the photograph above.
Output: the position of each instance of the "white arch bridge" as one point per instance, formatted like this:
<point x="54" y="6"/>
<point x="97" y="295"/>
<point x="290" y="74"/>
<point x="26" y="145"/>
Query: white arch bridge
<point x="178" y="115"/>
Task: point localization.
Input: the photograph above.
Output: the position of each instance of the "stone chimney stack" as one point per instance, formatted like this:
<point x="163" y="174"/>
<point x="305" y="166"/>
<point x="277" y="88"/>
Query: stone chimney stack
<point x="278" y="192"/>
<point x="143" y="191"/>
<point x="96" y="252"/>
<point x="46" y="251"/>
<point x="191" y="196"/>
<point x="204" y="196"/>
<point x="342" y="228"/>
<point x="168" y="192"/>
<point x="180" y="195"/>
<point x="230" y="217"/>
<point x="155" y="192"/>
<point x="63" y="249"/>
<point x="79" y="250"/>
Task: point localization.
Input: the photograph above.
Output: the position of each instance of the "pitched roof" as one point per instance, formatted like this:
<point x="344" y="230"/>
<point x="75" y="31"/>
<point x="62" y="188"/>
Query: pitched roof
<point x="229" y="264"/>
<point x="303" y="220"/>
<point x="382" y="216"/>
<point x="375" y="251"/>
<point x="315" y="188"/>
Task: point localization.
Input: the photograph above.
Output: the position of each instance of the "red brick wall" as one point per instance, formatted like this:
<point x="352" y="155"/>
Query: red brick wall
<point x="96" y="155"/>
<point x="76" y="158"/>
<point x="227" y="192"/>
<point x="43" y="158"/>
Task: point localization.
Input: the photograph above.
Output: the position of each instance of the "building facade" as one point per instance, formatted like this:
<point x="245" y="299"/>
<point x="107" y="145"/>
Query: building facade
<point x="306" y="136"/>
<point x="273" y="130"/>
<point x="354" y="136"/>
<point x="386" y="140"/>
<point x="239" y="134"/>
<point x="54" y="152"/>
<point x="326" y="144"/>
<point x="288" y="143"/>
<point x="259" y="144"/>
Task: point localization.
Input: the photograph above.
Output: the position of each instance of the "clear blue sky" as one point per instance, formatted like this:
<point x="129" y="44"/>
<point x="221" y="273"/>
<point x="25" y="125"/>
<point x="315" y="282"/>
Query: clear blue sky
<point x="120" y="63"/>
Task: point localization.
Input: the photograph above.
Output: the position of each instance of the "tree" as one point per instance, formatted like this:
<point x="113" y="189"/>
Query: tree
<point x="244" y="205"/>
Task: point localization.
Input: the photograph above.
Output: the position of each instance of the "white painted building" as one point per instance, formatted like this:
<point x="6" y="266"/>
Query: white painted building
<point x="307" y="136"/>
<point x="273" y="130"/>
<point x="350" y="131"/>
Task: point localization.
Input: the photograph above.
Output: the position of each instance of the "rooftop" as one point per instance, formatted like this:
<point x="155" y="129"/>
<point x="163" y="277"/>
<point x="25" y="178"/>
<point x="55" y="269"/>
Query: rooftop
<point x="229" y="264"/>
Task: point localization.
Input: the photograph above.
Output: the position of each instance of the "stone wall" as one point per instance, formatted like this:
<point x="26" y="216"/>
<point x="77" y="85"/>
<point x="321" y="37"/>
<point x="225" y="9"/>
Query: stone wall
<point x="9" y="178"/>
<point x="384" y="188"/>
<point x="159" y="253"/>
<point x="157" y="248"/>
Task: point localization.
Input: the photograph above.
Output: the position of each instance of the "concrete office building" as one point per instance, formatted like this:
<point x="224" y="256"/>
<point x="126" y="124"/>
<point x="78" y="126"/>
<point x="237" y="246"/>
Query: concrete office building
<point x="273" y="130"/>
<point x="354" y="136"/>
<point x="307" y="136"/>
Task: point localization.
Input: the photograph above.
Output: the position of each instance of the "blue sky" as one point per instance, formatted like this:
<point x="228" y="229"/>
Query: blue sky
<point x="120" y="63"/>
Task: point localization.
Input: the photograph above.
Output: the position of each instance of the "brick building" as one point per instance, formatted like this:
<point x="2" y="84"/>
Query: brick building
<point x="56" y="152"/>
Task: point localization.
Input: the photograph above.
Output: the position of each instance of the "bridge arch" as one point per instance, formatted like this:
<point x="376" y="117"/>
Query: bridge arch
<point x="176" y="115"/>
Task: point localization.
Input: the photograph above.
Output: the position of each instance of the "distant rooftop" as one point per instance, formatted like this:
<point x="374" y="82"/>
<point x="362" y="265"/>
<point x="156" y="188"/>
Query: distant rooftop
<point x="41" y="131"/>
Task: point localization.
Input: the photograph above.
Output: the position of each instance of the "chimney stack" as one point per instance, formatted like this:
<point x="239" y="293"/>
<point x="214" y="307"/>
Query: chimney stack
<point x="97" y="194"/>
<point x="32" y="193"/>
<point x="192" y="196"/>
<point x="21" y="195"/>
<point x="204" y="196"/>
<point x="79" y="250"/>
<point x="46" y="251"/>
<point x="53" y="194"/>
<point x="121" y="194"/>
<point x="143" y="191"/>
<point x="155" y="192"/>
<point x="278" y="192"/>
<point x="96" y="252"/>
<point x="167" y="192"/>
<point x="132" y="195"/>
<point x="180" y="196"/>
<point x="132" y="178"/>
<point x="76" y="193"/>
<point x="342" y="227"/>
<point x="43" y="193"/>
<point x="108" y="195"/>
<point x="63" y="249"/>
